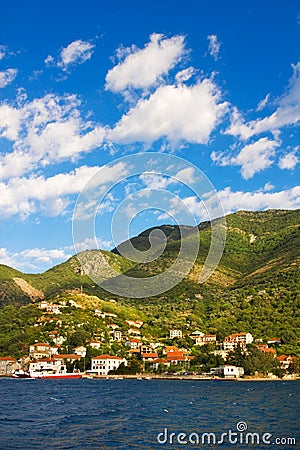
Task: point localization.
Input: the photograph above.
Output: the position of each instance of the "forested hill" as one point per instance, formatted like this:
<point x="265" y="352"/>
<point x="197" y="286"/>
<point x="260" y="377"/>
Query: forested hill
<point x="255" y="287"/>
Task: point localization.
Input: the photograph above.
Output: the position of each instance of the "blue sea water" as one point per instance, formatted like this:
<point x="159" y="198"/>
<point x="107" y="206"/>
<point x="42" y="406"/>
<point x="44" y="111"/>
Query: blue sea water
<point x="130" y="414"/>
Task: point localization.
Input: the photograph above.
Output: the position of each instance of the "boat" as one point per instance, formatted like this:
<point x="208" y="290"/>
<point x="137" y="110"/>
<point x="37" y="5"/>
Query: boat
<point x="55" y="376"/>
<point x="51" y="369"/>
<point x="20" y="373"/>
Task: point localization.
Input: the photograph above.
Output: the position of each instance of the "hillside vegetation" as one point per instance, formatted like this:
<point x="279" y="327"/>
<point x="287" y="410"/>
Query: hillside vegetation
<point x="255" y="287"/>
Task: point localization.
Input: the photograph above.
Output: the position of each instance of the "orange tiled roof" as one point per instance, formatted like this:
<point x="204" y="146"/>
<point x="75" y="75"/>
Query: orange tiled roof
<point x="107" y="357"/>
<point x="7" y="358"/>
<point x="171" y="348"/>
<point x="149" y="355"/>
<point x="44" y="344"/>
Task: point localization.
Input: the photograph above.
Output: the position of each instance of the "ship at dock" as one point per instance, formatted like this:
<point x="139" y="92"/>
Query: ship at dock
<point x="47" y="368"/>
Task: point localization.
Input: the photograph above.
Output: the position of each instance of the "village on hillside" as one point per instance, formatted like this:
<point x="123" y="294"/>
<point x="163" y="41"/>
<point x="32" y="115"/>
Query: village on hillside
<point x="122" y="349"/>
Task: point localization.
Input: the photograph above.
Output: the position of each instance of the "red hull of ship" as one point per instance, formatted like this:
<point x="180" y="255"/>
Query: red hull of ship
<point x="56" y="377"/>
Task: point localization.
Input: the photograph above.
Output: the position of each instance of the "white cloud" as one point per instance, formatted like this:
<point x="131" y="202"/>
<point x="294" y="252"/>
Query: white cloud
<point x="34" y="259"/>
<point x="7" y="76"/>
<point x="49" y="61"/>
<point x="143" y="68"/>
<point x="90" y="244"/>
<point x="2" y="51"/>
<point x="268" y="187"/>
<point x="153" y="180"/>
<point x="78" y="52"/>
<point x="185" y="74"/>
<point x="263" y="103"/>
<point x="252" y="158"/>
<point x="45" y="131"/>
<point x="178" y="209"/>
<point x="287" y="112"/>
<point x="258" y="200"/>
<point x="214" y="46"/>
<point x="177" y="113"/>
<point x="186" y="175"/>
<point x="233" y="201"/>
<point x="288" y="161"/>
<point x="25" y="196"/>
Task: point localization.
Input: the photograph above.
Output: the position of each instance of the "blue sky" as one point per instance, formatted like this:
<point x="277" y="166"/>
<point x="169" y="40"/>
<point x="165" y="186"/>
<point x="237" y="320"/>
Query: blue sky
<point x="83" y="84"/>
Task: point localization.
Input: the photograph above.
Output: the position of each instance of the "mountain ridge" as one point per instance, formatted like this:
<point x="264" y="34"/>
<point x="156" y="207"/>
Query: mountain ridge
<point x="257" y="242"/>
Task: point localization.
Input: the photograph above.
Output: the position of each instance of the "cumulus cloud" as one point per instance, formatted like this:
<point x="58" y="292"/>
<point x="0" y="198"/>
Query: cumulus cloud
<point x="287" y="112"/>
<point x="177" y="113"/>
<point x="153" y="180"/>
<point x="252" y="158"/>
<point x="78" y="52"/>
<point x="143" y="68"/>
<point x="25" y="196"/>
<point x="34" y="259"/>
<point x="288" y="161"/>
<point x="214" y="46"/>
<point x="233" y="201"/>
<point x="258" y="200"/>
<point x="186" y="175"/>
<point x="7" y="76"/>
<point x="45" y="131"/>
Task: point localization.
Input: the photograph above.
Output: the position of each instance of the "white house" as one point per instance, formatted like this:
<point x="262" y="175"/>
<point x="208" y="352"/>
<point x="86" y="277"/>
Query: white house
<point x="133" y="343"/>
<point x="80" y="350"/>
<point x="95" y="344"/>
<point x="104" y="314"/>
<point x="232" y="371"/>
<point x="117" y="335"/>
<point x="134" y="323"/>
<point x="175" y="334"/>
<point x="8" y="365"/>
<point x="205" y="339"/>
<point x="50" y="307"/>
<point x="134" y="331"/>
<point x="104" y="363"/>
<point x="228" y="371"/>
<point x="237" y="340"/>
<point x="39" y="350"/>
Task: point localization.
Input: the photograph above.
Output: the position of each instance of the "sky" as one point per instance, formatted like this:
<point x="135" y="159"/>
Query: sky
<point x="85" y="84"/>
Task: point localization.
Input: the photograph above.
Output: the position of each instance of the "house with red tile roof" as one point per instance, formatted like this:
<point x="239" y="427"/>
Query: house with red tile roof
<point x="95" y="344"/>
<point x="149" y="357"/>
<point x="158" y="361"/>
<point x="80" y="350"/>
<point x="204" y="339"/>
<point x="285" y="361"/>
<point x="39" y="350"/>
<point x="134" y="343"/>
<point x="8" y="365"/>
<point x="237" y="340"/>
<point x="177" y="356"/>
<point x="264" y="348"/>
<point x="274" y="340"/>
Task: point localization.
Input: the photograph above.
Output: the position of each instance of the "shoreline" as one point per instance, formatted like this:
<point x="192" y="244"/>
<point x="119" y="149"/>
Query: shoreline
<point x="173" y="377"/>
<point x="185" y="378"/>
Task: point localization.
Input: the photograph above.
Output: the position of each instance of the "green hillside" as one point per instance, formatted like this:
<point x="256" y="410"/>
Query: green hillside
<point x="255" y="287"/>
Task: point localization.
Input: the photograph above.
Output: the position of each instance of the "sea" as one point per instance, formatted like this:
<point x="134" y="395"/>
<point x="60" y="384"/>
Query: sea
<point x="148" y="414"/>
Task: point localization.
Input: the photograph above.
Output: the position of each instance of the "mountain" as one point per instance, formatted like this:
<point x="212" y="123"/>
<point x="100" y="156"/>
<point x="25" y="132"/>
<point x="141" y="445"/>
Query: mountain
<point x="255" y="287"/>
